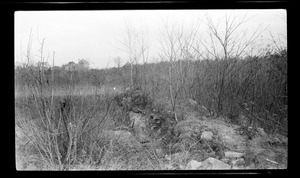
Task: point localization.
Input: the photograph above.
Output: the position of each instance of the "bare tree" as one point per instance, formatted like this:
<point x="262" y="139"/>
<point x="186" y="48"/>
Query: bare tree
<point x="118" y="61"/>
<point x="279" y="42"/>
<point x="130" y="47"/>
<point x="176" y="44"/>
<point x="144" y="46"/>
<point x="227" y="43"/>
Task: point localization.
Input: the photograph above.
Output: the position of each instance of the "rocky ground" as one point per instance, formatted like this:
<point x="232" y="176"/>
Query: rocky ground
<point x="154" y="140"/>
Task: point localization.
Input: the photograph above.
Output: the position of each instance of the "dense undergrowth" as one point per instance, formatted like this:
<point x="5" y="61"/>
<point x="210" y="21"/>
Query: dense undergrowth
<point x="94" y="132"/>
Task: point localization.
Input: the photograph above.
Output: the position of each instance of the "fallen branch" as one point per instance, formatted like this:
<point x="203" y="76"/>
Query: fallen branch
<point x="271" y="161"/>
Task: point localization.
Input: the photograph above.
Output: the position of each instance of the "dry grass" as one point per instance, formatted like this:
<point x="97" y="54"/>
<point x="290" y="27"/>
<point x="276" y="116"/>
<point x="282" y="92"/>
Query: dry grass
<point x="96" y="146"/>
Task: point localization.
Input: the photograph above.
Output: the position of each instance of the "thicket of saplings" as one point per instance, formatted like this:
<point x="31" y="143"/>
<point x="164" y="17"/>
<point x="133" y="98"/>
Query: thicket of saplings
<point x="63" y="130"/>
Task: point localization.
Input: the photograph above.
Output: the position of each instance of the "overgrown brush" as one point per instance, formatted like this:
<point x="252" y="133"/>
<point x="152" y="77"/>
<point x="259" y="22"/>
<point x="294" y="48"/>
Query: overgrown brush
<point x="62" y="130"/>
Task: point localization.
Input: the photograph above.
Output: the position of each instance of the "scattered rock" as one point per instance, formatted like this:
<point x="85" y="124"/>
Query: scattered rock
<point x="261" y="131"/>
<point x="180" y="155"/>
<point x="235" y="167"/>
<point x="193" y="165"/>
<point x="181" y="167"/>
<point x="138" y="122"/>
<point x="188" y="127"/>
<point x="142" y="138"/>
<point x="127" y="89"/>
<point x="211" y="154"/>
<point x="225" y="160"/>
<point x="159" y="152"/>
<point x="212" y="163"/>
<point x="169" y="167"/>
<point x="19" y="133"/>
<point x="238" y="162"/>
<point x="267" y="153"/>
<point x="193" y="102"/>
<point x="176" y="166"/>
<point x="31" y="167"/>
<point x="207" y="135"/>
<point x="209" y="163"/>
<point x="232" y="154"/>
<point x="177" y="156"/>
<point x="251" y="166"/>
<point x="220" y="153"/>
<point x="20" y="136"/>
<point x="168" y="157"/>
<point x="281" y="138"/>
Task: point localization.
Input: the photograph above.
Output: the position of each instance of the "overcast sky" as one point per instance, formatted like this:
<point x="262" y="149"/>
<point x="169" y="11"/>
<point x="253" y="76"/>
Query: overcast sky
<point x="96" y="35"/>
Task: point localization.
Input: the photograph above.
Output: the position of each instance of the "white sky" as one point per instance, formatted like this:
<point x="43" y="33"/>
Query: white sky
<point x="96" y="35"/>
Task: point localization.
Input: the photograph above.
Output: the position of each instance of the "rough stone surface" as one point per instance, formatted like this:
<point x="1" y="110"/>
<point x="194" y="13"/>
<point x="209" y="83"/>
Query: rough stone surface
<point x="168" y="157"/>
<point x="188" y="127"/>
<point x="31" y="167"/>
<point x="20" y="136"/>
<point x="193" y="165"/>
<point x="193" y="102"/>
<point x="212" y="163"/>
<point x="261" y="132"/>
<point x="180" y="155"/>
<point x="267" y="153"/>
<point x="238" y="162"/>
<point x="139" y="126"/>
<point x="209" y="163"/>
<point x="137" y="120"/>
<point x="225" y="160"/>
<point x="207" y="135"/>
<point x="232" y="154"/>
<point x="159" y="152"/>
<point x="235" y="167"/>
<point x="281" y="138"/>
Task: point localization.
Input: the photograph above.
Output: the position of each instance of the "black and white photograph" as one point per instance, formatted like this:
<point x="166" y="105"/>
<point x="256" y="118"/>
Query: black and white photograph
<point x="155" y="89"/>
